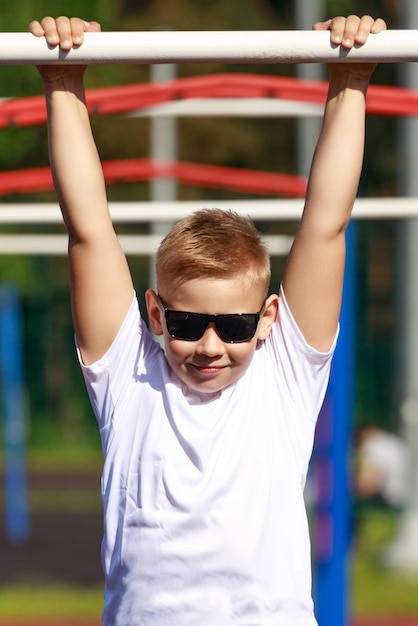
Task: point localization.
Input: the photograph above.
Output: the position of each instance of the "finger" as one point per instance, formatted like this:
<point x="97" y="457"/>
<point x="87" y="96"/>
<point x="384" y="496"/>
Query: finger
<point x="46" y="27"/>
<point x="364" y="29"/>
<point x="322" y="25"/>
<point x="350" y="31"/>
<point x="78" y="27"/>
<point x="64" y="28"/>
<point x="56" y="31"/>
<point x="343" y="29"/>
<point x="378" y="26"/>
<point x="36" y="29"/>
<point x="337" y="26"/>
<point x="93" y="27"/>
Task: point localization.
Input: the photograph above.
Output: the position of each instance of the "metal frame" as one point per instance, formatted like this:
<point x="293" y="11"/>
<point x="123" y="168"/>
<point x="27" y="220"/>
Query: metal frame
<point x="254" y="46"/>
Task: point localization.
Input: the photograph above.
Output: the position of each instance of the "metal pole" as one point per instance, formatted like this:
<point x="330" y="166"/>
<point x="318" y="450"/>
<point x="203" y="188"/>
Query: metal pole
<point x="330" y="464"/>
<point x="11" y="376"/>
<point x="209" y="46"/>
<point x="163" y="147"/>
<point x="259" y="209"/>
<point x="307" y="12"/>
<point x="402" y="554"/>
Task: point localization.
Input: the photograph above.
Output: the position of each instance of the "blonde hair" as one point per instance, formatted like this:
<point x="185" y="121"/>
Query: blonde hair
<point x="213" y="243"/>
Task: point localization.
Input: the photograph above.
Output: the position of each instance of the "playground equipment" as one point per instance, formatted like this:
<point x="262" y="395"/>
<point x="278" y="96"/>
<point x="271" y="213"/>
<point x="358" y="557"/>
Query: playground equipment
<point x="209" y="46"/>
<point x="252" y="47"/>
<point x="14" y="416"/>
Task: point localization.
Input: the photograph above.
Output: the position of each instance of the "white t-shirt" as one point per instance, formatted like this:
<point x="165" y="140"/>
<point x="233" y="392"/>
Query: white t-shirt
<point x="205" y="522"/>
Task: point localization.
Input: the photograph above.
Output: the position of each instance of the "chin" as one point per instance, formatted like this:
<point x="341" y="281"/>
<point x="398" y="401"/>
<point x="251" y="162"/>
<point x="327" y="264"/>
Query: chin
<point x="212" y="386"/>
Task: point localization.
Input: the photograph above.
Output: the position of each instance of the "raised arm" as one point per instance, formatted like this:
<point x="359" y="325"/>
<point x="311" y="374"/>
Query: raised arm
<point x="314" y="271"/>
<point x="101" y="285"/>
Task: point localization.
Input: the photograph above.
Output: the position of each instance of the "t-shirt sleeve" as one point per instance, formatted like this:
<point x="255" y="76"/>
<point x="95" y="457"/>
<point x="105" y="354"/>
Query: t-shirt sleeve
<point x="108" y="379"/>
<point x="305" y="369"/>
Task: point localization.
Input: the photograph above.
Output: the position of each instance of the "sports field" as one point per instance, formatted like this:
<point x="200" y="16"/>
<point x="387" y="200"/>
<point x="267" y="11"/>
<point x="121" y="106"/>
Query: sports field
<point x="56" y="578"/>
<point x="397" y="620"/>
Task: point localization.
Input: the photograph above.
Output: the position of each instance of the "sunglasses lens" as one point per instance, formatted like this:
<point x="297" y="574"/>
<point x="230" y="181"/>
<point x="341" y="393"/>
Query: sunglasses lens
<point x="185" y="326"/>
<point x="236" y="328"/>
<point x="191" y="326"/>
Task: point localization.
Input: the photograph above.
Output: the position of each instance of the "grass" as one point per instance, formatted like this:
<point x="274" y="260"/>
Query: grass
<point x="375" y="589"/>
<point x="50" y="602"/>
<point x="68" y="501"/>
<point x="65" y="458"/>
<point x="61" y="458"/>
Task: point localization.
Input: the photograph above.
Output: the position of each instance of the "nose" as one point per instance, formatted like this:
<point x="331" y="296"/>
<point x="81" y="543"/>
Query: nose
<point x="210" y="344"/>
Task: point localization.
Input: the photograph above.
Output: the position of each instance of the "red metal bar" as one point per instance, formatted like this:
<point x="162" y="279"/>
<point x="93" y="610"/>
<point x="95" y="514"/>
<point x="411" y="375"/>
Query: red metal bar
<point x="383" y="100"/>
<point x="199" y="175"/>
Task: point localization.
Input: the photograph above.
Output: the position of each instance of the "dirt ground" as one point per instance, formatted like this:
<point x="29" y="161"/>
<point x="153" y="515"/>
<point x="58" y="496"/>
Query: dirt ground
<point x="377" y="621"/>
<point x="388" y="621"/>
<point x="397" y="621"/>
<point x="64" y="547"/>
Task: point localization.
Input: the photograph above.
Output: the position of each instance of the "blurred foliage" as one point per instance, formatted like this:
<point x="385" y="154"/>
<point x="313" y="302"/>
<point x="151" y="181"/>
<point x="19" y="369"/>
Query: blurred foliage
<point x="377" y="590"/>
<point x="57" y="402"/>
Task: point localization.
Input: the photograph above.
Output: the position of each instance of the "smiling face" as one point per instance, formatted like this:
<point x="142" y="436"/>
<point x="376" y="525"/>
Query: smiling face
<point x="209" y="364"/>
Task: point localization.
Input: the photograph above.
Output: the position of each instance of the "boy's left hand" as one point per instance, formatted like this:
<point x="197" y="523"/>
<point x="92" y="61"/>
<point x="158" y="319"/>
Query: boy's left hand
<point x="348" y="32"/>
<point x="66" y="33"/>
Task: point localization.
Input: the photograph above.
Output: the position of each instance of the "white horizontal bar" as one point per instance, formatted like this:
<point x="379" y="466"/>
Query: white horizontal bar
<point x="278" y="245"/>
<point x="146" y="212"/>
<point x="269" y="46"/>
<point x="58" y="244"/>
<point x="243" y="107"/>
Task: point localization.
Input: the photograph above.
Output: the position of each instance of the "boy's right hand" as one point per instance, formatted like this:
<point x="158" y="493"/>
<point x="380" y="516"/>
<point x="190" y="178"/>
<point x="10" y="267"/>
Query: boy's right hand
<point x="65" y="32"/>
<point x="348" y="32"/>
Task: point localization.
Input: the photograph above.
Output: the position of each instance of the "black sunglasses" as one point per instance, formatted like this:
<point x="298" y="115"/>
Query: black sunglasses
<point x="231" y="327"/>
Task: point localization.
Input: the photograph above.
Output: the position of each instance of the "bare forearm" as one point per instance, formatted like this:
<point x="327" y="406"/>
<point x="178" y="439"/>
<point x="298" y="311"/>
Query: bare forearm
<point x="101" y="285"/>
<point x="75" y="163"/>
<point x="314" y="272"/>
<point x="337" y="163"/>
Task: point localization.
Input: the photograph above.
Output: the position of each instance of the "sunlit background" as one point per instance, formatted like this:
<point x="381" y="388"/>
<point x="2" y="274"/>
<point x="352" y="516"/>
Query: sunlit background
<point x="54" y="570"/>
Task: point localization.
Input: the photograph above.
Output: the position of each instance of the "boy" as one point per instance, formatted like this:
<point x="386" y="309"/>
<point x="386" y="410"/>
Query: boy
<point x="207" y="444"/>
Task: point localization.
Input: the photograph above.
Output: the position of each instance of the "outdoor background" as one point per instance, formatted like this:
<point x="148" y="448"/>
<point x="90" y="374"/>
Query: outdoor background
<point x="58" y="574"/>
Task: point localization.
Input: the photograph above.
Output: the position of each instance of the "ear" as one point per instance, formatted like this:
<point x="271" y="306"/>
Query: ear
<point x="269" y="316"/>
<point x="155" y="314"/>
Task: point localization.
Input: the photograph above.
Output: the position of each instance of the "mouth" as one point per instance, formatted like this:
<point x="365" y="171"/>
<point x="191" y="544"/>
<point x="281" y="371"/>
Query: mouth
<point x="208" y="370"/>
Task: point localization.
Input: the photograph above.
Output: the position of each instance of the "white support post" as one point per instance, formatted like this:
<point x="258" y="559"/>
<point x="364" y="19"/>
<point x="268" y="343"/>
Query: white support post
<point x="308" y="127"/>
<point x="209" y="46"/>
<point x="163" y="140"/>
<point x="402" y="553"/>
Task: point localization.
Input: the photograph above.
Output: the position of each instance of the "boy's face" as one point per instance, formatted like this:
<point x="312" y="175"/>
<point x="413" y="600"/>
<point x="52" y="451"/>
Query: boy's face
<point x="210" y="364"/>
